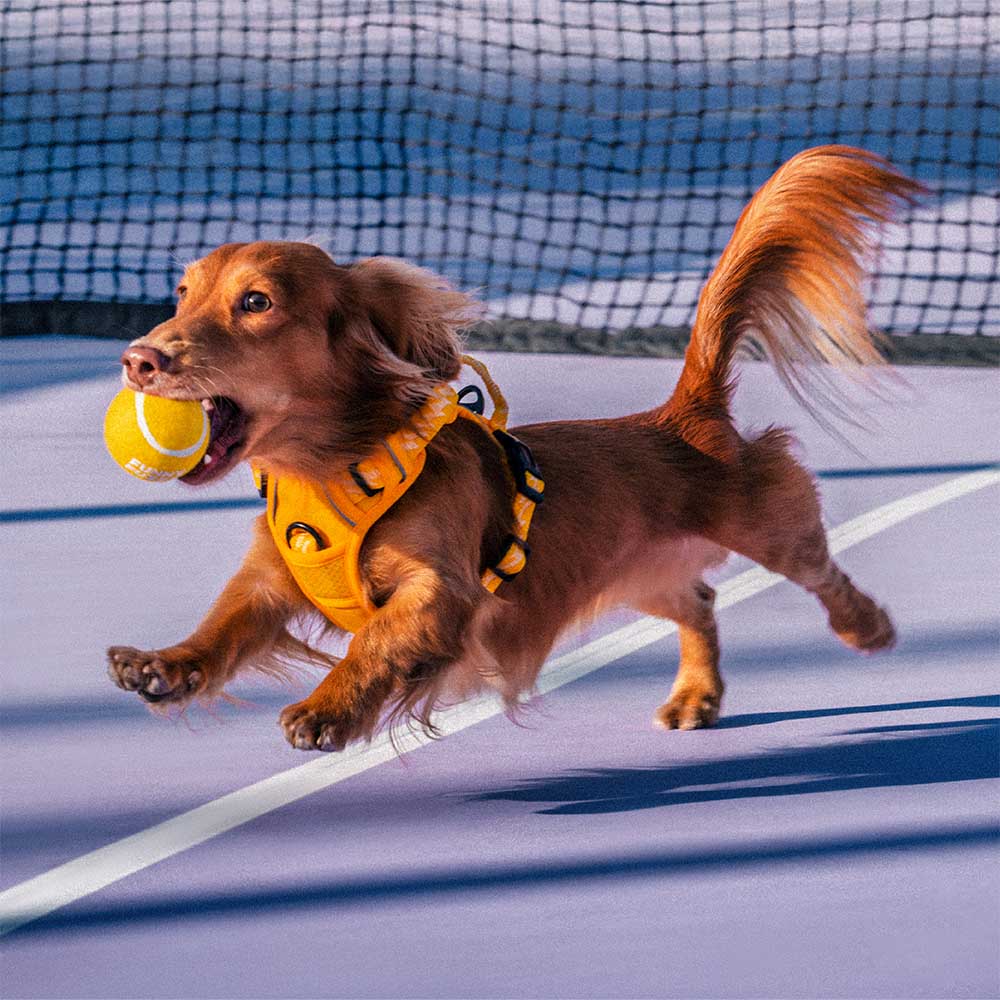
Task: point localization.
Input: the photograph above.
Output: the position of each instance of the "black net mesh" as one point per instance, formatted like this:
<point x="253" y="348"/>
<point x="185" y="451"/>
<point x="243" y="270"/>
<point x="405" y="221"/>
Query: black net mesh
<point x="581" y="161"/>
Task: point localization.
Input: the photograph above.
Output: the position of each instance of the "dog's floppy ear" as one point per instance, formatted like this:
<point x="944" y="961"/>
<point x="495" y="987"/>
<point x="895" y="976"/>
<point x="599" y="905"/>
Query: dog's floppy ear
<point x="415" y="312"/>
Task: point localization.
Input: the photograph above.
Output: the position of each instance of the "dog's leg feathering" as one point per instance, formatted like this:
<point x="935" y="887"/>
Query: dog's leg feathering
<point x="418" y="633"/>
<point x="779" y="525"/>
<point x="245" y="627"/>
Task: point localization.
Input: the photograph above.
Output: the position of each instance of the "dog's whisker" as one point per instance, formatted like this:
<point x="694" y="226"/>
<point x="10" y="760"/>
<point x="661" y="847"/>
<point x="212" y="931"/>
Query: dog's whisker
<point x="205" y="383"/>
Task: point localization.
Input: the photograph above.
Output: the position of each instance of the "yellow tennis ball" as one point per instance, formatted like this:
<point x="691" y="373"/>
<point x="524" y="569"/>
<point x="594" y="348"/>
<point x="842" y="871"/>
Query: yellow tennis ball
<point x="154" y="438"/>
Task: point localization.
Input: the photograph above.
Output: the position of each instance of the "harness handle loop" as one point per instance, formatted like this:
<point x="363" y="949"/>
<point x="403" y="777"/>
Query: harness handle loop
<point x="478" y="402"/>
<point x="498" y="419"/>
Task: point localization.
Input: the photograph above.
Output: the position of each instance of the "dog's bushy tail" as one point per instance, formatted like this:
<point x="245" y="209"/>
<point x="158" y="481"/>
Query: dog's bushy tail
<point x="791" y="280"/>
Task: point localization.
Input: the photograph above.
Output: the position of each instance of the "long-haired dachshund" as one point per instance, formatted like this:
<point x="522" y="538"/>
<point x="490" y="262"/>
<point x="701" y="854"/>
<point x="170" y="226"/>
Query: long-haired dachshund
<point x="306" y="365"/>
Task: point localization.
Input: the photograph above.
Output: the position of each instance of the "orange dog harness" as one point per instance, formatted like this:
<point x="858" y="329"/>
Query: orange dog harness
<point x="319" y="527"/>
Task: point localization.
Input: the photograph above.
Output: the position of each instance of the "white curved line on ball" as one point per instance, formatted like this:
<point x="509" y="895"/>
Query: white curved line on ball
<point x="140" y="416"/>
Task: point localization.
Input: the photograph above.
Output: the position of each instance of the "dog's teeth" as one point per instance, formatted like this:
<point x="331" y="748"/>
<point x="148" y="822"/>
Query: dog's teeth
<point x="207" y="405"/>
<point x="207" y="460"/>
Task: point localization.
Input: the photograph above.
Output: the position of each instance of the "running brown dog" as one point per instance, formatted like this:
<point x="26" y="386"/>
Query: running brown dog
<point x="305" y="365"/>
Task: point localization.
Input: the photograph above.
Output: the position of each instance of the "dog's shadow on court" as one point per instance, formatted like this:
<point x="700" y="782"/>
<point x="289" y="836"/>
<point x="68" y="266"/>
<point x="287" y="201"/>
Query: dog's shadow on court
<point x="917" y="753"/>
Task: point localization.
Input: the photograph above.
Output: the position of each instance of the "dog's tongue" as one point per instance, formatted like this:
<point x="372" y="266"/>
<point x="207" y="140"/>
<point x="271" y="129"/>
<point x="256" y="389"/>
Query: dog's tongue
<point x="227" y="425"/>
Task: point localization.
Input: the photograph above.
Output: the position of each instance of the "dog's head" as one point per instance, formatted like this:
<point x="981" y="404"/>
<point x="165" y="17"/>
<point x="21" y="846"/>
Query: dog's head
<point x="303" y="364"/>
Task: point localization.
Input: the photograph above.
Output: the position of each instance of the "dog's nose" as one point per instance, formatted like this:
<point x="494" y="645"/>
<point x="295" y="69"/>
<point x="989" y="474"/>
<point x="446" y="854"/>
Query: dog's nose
<point x="142" y="363"/>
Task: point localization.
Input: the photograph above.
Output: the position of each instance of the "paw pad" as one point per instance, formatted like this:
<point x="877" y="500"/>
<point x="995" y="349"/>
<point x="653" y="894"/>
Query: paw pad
<point x="150" y="676"/>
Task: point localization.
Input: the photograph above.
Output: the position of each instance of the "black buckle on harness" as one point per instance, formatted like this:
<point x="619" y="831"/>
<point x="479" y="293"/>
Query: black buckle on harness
<point x="521" y="461"/>
<point x="360" y="480"/>
<point x="507" y="543"/>
<point x="478" y="404"/>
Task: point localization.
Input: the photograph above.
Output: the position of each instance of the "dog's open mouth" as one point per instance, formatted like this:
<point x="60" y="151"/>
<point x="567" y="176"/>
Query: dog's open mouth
<point x="227" y="433"/>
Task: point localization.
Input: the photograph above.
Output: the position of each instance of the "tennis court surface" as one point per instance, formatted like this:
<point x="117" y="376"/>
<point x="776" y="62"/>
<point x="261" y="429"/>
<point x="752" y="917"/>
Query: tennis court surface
<point x="835" y="835"/>
<point x="578" y="165"/>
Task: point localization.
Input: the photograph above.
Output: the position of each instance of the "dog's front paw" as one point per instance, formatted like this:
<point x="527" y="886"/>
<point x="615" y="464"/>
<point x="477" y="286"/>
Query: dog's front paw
<point x="309" y="728"/>
<point x="689" y="708"/>
<point x="155" y="676"/>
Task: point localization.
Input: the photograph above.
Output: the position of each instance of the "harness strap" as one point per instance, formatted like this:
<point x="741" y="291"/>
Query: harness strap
<point x="528" y="483"/>
<point x="529" y="489"/>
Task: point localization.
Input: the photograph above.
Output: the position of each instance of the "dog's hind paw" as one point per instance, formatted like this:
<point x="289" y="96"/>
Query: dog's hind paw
<point x="153" y="676"/>
<point x="870" y="630"/>
<point x="689" y="709"/>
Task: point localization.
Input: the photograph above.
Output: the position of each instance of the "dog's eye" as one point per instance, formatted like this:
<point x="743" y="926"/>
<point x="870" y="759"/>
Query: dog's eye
<point x="181" y="291"/>
<point x="256" y="302"/>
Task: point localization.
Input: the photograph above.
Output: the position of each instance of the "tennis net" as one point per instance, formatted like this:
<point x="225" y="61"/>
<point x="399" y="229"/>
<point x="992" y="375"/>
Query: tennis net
<point x="578" y="162"/>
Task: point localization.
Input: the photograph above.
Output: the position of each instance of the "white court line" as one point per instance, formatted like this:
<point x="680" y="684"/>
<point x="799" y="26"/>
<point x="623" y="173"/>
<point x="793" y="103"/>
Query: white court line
<point x="94" y="871"/>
